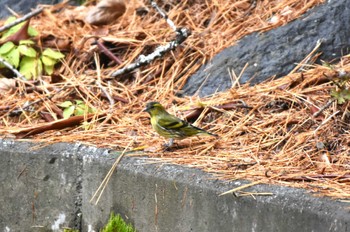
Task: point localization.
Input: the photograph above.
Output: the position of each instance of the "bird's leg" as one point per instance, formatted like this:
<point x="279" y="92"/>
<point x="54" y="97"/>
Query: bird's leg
<point x="169" y="144"/>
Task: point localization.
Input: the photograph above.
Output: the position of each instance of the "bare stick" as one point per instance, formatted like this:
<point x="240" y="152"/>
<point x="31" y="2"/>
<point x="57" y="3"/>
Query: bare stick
<point x="241" y="187"/>
<point x="22" y="19"/>
<point x="9" y="66"/>
<point x="98" y="82"/>
<point x="323" y="108"/>
<point x="159" y="52"/>
<point x="107" y="52"/>
<point x="105" y="181"/>
<point x="181" y="35"/>
<point x="326" y="120"/>
<point x="164" y="15"/>
<point x="104" y="90"/>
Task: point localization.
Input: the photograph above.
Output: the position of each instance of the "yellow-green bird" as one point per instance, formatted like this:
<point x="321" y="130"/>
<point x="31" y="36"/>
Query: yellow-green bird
<point x="169" y="126"/>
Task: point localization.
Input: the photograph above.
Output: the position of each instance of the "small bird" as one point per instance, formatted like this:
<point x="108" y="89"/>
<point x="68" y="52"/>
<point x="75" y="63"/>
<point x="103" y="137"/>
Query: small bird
<point x="169" y="126"/>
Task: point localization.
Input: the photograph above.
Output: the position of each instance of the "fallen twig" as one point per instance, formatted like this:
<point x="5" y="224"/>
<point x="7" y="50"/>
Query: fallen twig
<point x="105" y="181"/>
<point x="316" y="114"/>
<point x="181" y="35"/>
<point x="241" y="187"/>
<point x="342" y="178"/>
<point x="159" y="52"/>
<point x="252" y="194"/>
<point x="227" y="106"/>
<point x="98" y="82"/>
<point x="107" y="52"/>
<point x="15" y="71"/>
<point x="56" y="125"/>
<point x="164" y="15"/>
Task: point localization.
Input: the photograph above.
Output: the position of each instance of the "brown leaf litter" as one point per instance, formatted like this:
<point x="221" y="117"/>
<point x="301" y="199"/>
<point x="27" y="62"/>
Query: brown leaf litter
<point x="267" y="132"/>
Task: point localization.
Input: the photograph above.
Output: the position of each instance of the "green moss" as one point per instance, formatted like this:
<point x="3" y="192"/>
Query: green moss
<point x="70" y="230"/>
<point x="117" y="224"/>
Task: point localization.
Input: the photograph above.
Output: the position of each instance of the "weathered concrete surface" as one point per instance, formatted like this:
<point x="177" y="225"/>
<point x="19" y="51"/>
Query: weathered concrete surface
<point x="276" y="52"/>
<point x="60" y="180"/>
<point x="39" y="188"/>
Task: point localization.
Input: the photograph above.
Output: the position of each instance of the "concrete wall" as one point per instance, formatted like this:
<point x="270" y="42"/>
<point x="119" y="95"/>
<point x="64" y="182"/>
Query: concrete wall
<point x="50" y="188"/>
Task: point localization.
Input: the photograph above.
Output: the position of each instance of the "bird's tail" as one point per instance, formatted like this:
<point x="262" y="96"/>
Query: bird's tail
<point x="215" y="135"/>
<point x="204" y="132"/>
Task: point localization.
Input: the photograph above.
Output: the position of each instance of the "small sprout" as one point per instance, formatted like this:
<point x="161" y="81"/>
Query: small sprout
<point x="77" y="109"/>
<point x="341" y="91"/>
<point x="341" y="95"/>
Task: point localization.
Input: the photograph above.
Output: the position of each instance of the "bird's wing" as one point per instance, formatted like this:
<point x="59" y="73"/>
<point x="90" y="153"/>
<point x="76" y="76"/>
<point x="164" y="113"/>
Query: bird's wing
<point x="171" y="123"/>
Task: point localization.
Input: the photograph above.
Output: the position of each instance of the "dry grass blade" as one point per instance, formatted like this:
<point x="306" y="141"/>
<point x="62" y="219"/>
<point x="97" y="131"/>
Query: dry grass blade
<point x="105" y="181"/>
<point x="240" y="188"/>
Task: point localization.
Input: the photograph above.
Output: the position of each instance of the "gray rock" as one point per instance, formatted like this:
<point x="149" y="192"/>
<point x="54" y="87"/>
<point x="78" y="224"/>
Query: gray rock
<point x="24" y="6"/>
<point x="277" y="51"/>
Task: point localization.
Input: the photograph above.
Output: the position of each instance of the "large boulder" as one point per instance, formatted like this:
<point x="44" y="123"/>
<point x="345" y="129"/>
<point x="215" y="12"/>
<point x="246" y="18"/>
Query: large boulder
<point x="277" y="51"/>
<point x="21" y="6"/>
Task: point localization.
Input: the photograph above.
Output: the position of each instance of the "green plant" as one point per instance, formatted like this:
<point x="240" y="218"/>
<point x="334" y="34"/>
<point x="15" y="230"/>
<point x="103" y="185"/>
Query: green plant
<point x="117" y="224"/>
<point x="77" y="108"/>
<point x="22" y="55"/>
<point x="70" y="230"/>
<point x="31" y="31"/>
<point x="341" y="92"/>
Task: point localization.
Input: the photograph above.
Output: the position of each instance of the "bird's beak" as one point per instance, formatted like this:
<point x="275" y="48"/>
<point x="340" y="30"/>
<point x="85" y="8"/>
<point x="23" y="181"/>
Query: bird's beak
<point x="145" y="110"/>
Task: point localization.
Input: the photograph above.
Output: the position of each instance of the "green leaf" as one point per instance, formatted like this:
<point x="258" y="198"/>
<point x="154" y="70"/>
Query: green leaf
<point x="48" y="69"/>
<point x="341" y="95"/>
<point x="12" y="30"/>
<point x="29" y="67"/>
<point x="92" y="110"/>
<point x="13" y="57"/>
<point x="80" y="110"/>
<point x="10" y="20"/>
<point x="26" y="42"/>
<point x="6" y="47"/>
<point x="79" y="102"/>
<point x="32" y="31"/>
<point x="39" y="66"/>
<point x="65" y="104"/>
<point x="346" y="94"/>
<point x="67" y="112"/>
<point x="53" y="54"/>
<point x="27" y="51"/>
<point x="48" y="61"/>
